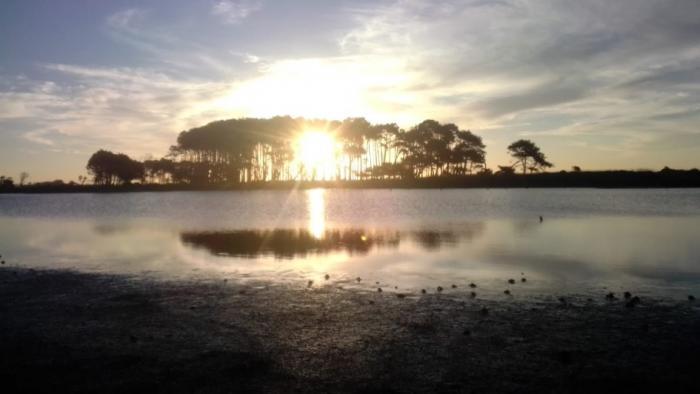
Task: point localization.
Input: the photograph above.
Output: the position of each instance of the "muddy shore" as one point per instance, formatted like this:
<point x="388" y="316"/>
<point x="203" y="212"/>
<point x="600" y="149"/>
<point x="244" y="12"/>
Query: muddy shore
<point x="78" y="332"/>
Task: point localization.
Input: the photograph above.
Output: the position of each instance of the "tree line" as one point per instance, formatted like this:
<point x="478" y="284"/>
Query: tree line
<point x="260" y="150"/>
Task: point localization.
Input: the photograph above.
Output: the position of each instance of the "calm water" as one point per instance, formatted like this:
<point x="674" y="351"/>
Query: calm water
<point x="645" y="240"/>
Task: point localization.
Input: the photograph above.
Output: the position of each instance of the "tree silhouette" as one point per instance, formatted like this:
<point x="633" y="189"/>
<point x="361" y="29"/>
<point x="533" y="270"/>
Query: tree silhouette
<point x="23" y="176"/>
<point x="259" y="150"/>
<point x="6" y="182"/>
<point x="505" y="170"/>
<point x="528" y="155"/>
<point x="108" y="168"/>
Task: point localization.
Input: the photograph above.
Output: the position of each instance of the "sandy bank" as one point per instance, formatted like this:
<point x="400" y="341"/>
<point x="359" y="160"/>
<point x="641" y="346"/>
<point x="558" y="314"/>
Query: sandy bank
<point x="87" y="332"/>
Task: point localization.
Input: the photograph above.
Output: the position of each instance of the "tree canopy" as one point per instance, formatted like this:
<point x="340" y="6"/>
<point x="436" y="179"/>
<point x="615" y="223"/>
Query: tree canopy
<point x="528" y="156"/>
<point x="260" y="150"/>
<point x="109" y="168"/>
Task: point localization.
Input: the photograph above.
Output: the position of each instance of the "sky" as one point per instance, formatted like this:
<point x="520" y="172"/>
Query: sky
<point x="595" y="83"/>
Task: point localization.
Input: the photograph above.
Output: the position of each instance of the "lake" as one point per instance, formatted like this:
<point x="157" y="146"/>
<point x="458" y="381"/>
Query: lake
<point x="589" y="240"/>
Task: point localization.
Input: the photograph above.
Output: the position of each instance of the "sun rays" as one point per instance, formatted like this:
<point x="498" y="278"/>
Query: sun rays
<point x="314" y="153"/>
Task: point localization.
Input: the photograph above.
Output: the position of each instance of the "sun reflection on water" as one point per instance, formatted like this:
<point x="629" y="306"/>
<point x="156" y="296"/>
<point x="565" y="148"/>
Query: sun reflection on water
<point x="317" y="212"/>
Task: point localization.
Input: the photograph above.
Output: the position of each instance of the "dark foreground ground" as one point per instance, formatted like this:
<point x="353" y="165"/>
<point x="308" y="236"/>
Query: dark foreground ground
<point x="65" y="331"/>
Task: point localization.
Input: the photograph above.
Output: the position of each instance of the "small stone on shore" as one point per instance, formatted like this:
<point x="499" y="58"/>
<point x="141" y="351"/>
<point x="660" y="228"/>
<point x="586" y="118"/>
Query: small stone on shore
<point x="633" y="302"/>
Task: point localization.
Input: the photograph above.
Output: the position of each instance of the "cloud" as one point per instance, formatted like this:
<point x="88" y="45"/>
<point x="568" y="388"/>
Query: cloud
<point x="123" y="20"/>
<point x="593" y="69"/>
<point x="614" y="77"/>
<point x="136" y="111"/>
<point x="139" y="29"/>
<point x="136" y="76"/>
<point x="234" y="11"/>
<point x="667" y="77"/>
<point x="545" y="95"/>
<point x="39" y="137"/>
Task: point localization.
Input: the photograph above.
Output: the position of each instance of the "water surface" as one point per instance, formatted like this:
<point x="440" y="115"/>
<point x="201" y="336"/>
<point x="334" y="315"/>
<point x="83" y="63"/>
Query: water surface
<point x="588" y="241"/>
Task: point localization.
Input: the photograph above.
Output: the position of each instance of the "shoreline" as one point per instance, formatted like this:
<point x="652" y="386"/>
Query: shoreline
<point x="89" y="332"/>
<point x="585" y="179"/>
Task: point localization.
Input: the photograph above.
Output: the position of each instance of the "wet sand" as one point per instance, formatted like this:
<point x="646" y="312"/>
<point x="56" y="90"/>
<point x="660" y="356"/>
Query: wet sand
<point x="77" y="332"/>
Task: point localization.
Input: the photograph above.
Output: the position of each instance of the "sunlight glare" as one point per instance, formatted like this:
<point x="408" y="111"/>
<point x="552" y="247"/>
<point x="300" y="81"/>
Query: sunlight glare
<point x="317" y="212"/>
<point x="315" y="152"/>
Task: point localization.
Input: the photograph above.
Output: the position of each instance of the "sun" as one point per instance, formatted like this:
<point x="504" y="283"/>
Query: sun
<point x="315" y="153"/>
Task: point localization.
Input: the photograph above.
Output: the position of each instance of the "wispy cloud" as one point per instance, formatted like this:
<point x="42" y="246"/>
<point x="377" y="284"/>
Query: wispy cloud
<point x="134" y="28"/>
<point x="133" y="110"/>
<point x="584" y="70"/>
<point x="234" y="11"/>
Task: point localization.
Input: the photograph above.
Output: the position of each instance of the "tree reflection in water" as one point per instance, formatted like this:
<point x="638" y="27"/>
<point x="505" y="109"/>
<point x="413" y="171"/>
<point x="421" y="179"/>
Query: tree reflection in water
<point x="290" y="243"/>
<point x="283" y="243"/>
